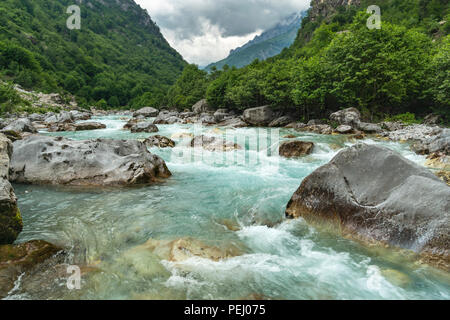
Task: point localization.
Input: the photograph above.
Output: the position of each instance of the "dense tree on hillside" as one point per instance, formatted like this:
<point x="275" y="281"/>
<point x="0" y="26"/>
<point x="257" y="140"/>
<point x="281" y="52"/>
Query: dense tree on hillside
<point x="189" y="88"/>
<point x="118" y="56"/>
<point x="337" y="62"/>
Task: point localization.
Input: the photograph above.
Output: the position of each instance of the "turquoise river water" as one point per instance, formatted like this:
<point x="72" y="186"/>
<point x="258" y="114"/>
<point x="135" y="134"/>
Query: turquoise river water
<point x="236" y="199"/>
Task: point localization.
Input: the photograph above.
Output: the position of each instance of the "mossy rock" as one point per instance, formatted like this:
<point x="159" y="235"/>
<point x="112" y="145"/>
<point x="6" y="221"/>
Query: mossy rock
<point x="10" y="223"/>
<point x="17" y="259"/>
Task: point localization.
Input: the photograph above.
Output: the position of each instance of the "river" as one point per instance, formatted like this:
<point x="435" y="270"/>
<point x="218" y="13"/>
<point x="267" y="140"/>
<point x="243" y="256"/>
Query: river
<point x="238" y="200"/>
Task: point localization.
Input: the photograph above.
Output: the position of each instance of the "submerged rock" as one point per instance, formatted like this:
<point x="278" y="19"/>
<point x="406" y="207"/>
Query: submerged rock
<point x="160" y="142"/>
<point x="182" y="136"/>
<point x="295" y="149"/>
<point x="17" y="259"/>
<point x="376" y="195"/>
<point x="102" y="162"/>
<point x="185" y="248"/>
<point x="214" y="144"/>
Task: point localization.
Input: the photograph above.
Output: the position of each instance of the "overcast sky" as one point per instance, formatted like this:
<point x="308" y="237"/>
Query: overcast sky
<point x="205" y="31"/>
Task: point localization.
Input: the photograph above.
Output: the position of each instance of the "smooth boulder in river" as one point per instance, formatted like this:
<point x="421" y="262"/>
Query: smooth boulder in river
<point x="374" y="194"/>
<point x="101" y="162"/>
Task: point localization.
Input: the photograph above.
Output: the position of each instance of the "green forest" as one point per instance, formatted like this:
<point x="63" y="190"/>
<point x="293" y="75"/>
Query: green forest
<point x="338" y="62"/>
<point x="118" y="57"/>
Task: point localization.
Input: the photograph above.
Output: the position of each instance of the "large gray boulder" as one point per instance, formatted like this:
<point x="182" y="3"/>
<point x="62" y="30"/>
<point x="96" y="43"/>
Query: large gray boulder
<point x="201" y="107"/>
<point x="10" y="218"/>
<point x="146" y="112"/>
<point x="350" y="117"/>
<point x="20" y="126"/>
<point x="438" y="143"/>
<point x="78" y="115"/>
<point x="144" y="127"/>
<point x="102" y="162"/>
<point x="221" y="115"/>
<point x="84" y="126"/>
<point x="260" y="116"/>
<point x="62" y="117"/>
<point x="206" y="118"/>
<point x="168" y="117"/>
<point x="36" y="117"/>
<point x="369" y="127"/>
<point x="375" y="195"/>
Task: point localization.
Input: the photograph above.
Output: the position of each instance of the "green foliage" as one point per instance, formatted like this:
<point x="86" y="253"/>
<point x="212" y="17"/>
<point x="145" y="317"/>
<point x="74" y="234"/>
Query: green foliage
<point x="407" y="118"/>
<point x="9" y="98"/>
<point x="189" y="88"/>
<point x="337" y="62"/>
<point x="440" y="82"/>
<point x="118" y="55"/>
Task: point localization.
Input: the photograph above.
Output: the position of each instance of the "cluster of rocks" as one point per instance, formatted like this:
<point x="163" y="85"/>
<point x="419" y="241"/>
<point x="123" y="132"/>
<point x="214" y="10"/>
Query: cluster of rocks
<point x="18" y="128"/>
<point x="47" y="100"/>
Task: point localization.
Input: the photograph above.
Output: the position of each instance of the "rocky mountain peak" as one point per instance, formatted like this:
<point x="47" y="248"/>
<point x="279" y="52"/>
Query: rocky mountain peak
<point x="325" y="8"/>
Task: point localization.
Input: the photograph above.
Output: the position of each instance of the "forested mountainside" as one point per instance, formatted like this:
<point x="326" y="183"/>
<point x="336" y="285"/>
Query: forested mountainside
<point x="338" y="62"/>
<point x="117" y="58"/>
<point x="264" y="46"/>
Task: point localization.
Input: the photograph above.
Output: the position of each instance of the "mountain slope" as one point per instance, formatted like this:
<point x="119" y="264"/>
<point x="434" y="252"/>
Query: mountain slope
<point x="338" y="62"/>
<point x="118" y="57"/>
<point x="264" y="46"/>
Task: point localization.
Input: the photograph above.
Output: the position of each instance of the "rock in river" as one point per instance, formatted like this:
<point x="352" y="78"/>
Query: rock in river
<point x="144" y="127"/>
<point x="146" y="112"/>
<point x="214" y="144"/>
<point x="83" y="126"/>
<point x="374" y="194"/>
<point x="160" y="142"/>
<point x="17" y="259"/>
<point x="295" y="149"/>
<point x="102" y="162"/>
<point x="20" y="125"/>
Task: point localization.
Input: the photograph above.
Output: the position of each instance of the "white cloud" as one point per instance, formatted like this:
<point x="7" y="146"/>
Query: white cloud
<point x="204" y="31"/>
